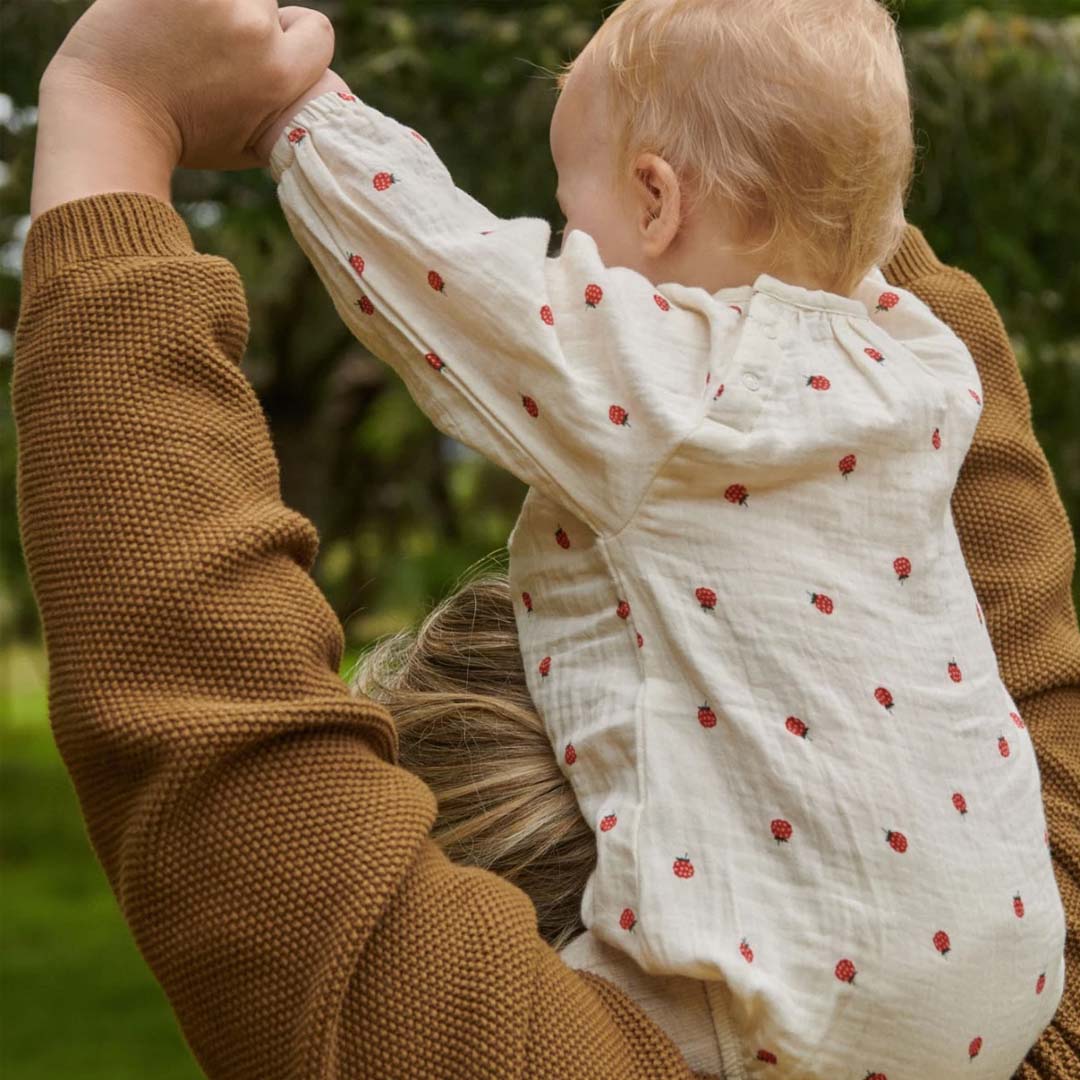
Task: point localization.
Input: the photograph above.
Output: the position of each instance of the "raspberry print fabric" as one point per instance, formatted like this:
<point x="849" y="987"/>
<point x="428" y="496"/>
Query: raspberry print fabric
<point x="743" y="611"/>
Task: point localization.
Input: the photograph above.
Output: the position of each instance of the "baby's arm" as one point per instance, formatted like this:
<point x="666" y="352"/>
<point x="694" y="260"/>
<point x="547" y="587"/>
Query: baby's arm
<point x="548" y="366"/>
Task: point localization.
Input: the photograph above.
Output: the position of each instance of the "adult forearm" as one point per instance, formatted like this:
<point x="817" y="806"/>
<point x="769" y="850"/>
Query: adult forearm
<point x="92" y="140"/>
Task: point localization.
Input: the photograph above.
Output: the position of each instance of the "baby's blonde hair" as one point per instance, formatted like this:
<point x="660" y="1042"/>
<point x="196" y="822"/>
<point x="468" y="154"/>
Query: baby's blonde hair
<point x="793" y="115"/>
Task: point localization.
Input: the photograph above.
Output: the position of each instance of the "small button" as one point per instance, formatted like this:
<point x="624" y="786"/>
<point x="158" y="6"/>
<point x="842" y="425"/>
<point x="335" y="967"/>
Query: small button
<point x="750" y="380"/>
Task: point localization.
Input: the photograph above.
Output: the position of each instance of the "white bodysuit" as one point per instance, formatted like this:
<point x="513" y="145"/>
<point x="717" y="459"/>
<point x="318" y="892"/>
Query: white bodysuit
<point x="743" y="610"/>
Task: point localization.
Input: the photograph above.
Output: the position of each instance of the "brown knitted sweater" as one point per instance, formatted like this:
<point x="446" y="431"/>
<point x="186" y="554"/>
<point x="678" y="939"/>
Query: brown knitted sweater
<point x="272" y="861"/>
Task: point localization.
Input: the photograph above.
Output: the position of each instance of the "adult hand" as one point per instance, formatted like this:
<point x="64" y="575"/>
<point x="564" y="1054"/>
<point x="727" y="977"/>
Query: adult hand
<point x="141" y="86"/>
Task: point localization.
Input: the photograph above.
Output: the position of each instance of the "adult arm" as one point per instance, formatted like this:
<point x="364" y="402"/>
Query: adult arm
<point x="1020" y="552"/>
<point x="272" y="861"/>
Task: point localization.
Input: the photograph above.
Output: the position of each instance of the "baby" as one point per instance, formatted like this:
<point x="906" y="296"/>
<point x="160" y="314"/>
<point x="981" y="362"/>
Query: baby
<point x="743" y="609"/>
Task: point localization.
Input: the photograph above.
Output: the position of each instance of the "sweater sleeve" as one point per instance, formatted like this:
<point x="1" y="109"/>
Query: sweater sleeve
<point x="272" y="861"/>
<point x="576" y="377"/>
<point x="1020" y="553"/>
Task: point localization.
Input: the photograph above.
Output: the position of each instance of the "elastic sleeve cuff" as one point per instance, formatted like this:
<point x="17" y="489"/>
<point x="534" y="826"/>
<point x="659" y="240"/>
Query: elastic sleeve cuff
<point x="113" y="225"/>
<point x="324" y="107"/>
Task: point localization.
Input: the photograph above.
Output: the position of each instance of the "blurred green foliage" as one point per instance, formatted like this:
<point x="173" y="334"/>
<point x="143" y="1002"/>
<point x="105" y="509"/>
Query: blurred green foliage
<point x="400" y="509"/>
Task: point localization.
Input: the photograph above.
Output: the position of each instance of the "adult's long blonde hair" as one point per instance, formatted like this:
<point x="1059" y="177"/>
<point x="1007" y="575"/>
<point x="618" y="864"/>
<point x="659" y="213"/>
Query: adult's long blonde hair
<point x="455" y="686"/>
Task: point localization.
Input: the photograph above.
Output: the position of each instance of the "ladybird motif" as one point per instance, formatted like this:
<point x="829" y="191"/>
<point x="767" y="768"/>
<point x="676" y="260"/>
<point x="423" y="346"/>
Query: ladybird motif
<point x="608" y="822"/>
<point x="619" y="416"/>
<point x="547" y="315"/>
<point x="822" y="602"/>
<point x="781" y="830"/>
<point x="974" y="1047"/>
<point x="297" y="135"/>
<point x="706" y="598"/>
<point x="745" y="951"/>
<point x="561" y="538"/>
<point x="683" y="867"/>
<point x="434" y="360"/>
<point x="623" y="610"/>
<point x="526" y="599"/>
<point x="1018" y="906"/>
<point x="935" y="439"/>
<point x="874" y="355"/>
<point x="593" y="295"/>
<point x="569" y="754"/>
<point x="818" y="382"/>
<point x="661" y="303"/>
<point x="383" y="180"/>
<point x="960" y="803"/>
<point x="883" y="698"/>
<point x="706" y="717"/>
<point x="845" y="971"/>
<point x="887" y="301"/>
<point x="627" y="920"/>
<point x="797" y="727"/>
<point x="530" y="406"/>
<point x="736" y="493"/>
<point x="896" y="840"/>
<point x="357" y="263"/>
<point x="847" y="465"/>
<point x="544" y="666"/>
<point x="365" y="305"/>
<point x="941" y="942"/>
<point x="1003" y="746"/>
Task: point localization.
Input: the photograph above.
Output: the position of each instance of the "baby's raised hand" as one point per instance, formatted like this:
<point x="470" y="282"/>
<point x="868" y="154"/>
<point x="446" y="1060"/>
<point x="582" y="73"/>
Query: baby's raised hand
<point x="205" y="78"/>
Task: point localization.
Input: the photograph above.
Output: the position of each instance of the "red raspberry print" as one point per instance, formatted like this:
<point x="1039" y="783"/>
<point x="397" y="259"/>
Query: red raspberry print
<point x="1046" y="838"/>
<point x="822" y="602"/>
<point x="883" y="697"/>
<point x="434" y="360"/>
<point x="974" y="1047"/>
<point x="745" y="951"/>
<point x="896" y="840"/>
<point x="1018" y="906"/>
<point x="627" y="920"/>
<point x="619" y="416"/>
<point x="781" y="830"/>
<point x="706" y="598"/>
<point x="593" y="295"/>
<point x="608" y="822"/>
<point x="979" y="612"/>
<point x="818" y="382"/>
<point x="708" y="377"/>
<point x="887" y="301"/>
<point x="530" y="406"/>
<point x="954" y="671"/>
<point x="847" y="465"/>
<point x="719" y="392"/>
<point x="875" y="1076"/>
<point x="797" y="727"/>
<point x="661" y="303"/>
<point x="486" y="232"/>
<point x="357" y="263"/>
<point x="416" y="135"/>
<point x="545" y="666"/>
<point x="737" y="494"/>
<point x="366" y="306"/>
<point x="902" y="567"/>
<point x="297" y="135"/>
<point x="561" y="538"/>
<point x="845" y="971"/>
<point x="706" y="717"/>
<point x="1003" y="746"/>
<point x="875" y="355"/>
<point x="526" y="599"/>
<point x="1015" y="717"/>
<point x="959" y="802"/>
<point x="735" y="307"/>
<point x="975" y="397"/>
<point x="623" y="610"/>
<point x="1040" y="983"/>
<point x="941" y="942"/>
<point x="767" y="1056"/>
<point x="547" y="315"/>
<point x="346" y="97"/>
<point x="434" y="279"/>
<point x="683" y="867"/>
<point x="383" y="180"/>
<point x="640" y="641"/>
<point x="570" y="754"/>
<point x="935" y="439"/>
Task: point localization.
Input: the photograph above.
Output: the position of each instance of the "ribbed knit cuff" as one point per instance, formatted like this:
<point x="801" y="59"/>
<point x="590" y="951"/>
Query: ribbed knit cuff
<point x="914" y="259"/>
<point x="113" y="225"/>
